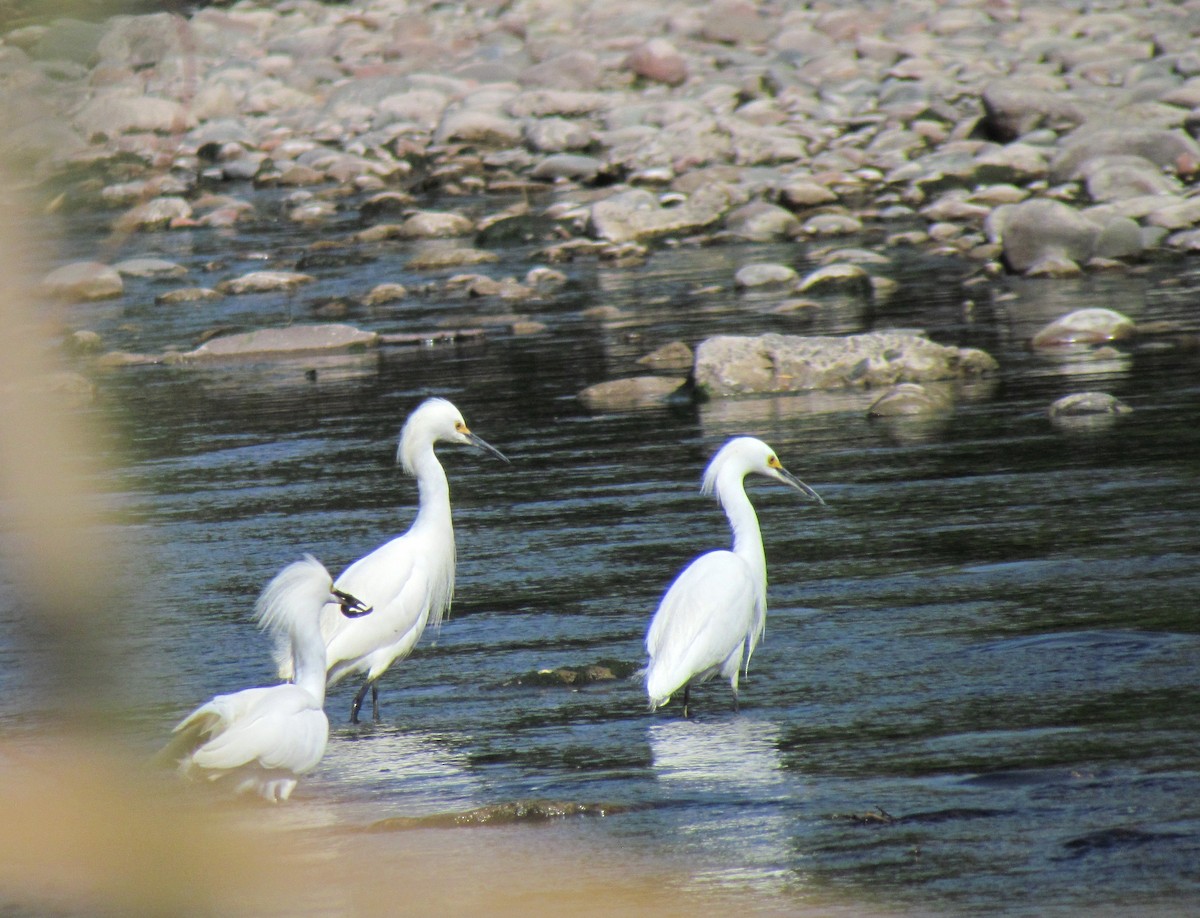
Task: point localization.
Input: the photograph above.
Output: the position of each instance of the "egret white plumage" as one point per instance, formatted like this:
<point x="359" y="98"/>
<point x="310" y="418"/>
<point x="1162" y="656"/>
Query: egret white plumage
<point x="409" y="581"/>
<point x="715" y="612"/>
<point x="263" y="738"/>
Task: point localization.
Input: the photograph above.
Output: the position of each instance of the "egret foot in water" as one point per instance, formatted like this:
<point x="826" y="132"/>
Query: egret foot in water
<point x="361" y="696"/>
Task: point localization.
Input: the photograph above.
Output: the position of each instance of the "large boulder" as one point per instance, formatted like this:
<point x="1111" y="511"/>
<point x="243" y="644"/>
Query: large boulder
<point x="731" y="365"/>
<point x="1034" y="231"/>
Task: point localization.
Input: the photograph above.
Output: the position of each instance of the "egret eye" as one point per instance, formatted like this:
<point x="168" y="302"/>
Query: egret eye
<point x="773" y="461"/>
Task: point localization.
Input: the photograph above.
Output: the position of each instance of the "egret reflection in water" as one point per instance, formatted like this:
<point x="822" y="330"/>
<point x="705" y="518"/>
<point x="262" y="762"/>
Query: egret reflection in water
<point x="734" y="767"/>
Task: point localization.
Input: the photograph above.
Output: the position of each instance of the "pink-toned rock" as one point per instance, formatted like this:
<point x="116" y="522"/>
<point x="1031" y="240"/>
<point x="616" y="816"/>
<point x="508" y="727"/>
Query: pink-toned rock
<point x="658" y="60"/>
<point x="281" y="342"/>
<point x="735" y="22"/>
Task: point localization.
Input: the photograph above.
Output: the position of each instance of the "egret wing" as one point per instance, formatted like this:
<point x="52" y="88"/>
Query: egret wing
<point x="388" y="633"/>
<point x="260" y="730"/>
<point x="701" y="621"/>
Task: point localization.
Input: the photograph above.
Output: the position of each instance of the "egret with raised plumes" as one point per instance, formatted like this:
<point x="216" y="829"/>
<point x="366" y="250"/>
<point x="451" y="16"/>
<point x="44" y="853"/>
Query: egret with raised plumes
<point x="409" y="581"/>
<point x="263" y="739"/>
<point x="714" y="614"/>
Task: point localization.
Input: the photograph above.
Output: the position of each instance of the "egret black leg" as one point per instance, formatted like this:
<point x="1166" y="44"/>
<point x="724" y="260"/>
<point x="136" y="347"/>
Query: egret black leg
<point x="375" y="701"/>
<point x="736" y="705"/>
<point x="686" y="691"/>
<point x="359" y="698"/>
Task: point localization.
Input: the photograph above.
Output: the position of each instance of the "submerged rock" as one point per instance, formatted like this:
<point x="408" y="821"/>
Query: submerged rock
<point x="283" y="342"/>
<point x="908" y="399"/>
<point x="264" y="282"/>
<point x="499" y="814"/>
<point x="764" y="276"/>
<point x="1084" y="404"/>
<point x="731" y="365"/>
<point x="637" y="392"/>
<point x="1085" y="326"/>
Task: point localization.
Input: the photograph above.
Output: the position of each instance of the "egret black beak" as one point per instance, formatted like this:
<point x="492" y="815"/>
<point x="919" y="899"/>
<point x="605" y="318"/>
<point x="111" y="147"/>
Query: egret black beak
<point x="789" y="479"/>
<point x="483" y="444"/>
<point x="351" y="606"/>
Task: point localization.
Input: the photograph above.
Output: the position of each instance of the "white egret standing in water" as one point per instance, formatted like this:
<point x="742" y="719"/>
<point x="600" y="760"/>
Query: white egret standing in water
<point x="409" y="581"/>
<point x="715" y="611"/>
<point x="265" y="737"/>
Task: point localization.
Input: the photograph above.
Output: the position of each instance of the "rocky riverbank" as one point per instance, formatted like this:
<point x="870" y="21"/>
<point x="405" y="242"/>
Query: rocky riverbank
<point x="1043" y="139"/>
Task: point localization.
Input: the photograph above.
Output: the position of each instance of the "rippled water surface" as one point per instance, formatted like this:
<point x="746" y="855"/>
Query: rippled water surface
<point x="978" y="687"/>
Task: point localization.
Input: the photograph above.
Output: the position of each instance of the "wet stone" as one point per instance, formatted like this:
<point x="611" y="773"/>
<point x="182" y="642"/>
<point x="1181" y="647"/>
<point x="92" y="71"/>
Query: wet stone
<point x="1088" y="403"/>
<point x="264" y="282"/>
<point x="82" y="281"/>
<point x="1085" y="326"/>
<point x="187" y="295"/>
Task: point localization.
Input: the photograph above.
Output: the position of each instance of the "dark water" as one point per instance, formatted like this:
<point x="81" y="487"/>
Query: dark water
<point x="978" y="688"/>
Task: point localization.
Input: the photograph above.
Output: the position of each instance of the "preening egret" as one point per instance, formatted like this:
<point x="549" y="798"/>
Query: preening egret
<point x="715" y="611"/>
<point x="265" y="737"/>
<point x="409" y="581"/>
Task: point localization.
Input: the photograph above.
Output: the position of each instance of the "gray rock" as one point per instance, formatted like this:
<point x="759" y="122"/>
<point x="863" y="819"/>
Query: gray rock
<point x="736" y="22"/>
<point x="114" y="113"/>
<point x="832" y="225"/>
<point x="187" y="295"/>
<point x="385" y="293"/>
<point x="1083" y="404"/>
<point x="283" y="342"/>
<point x="624" y="394"/>
<point x="728" y="366"/>
<point x="636" y="214"/>
<point x="571" y="166"/>
<point x="760" y="222"/>
<point x="838" y="278"/>
<point x="67" y="40"/>
<point x="764" y="275"/>
<point x="430" y="224"/>
<point x="1034" y="230"/>
<point x="1115" y="177"/>
<point x="673" y="356"/>
<point x="1011" y="110"/>
<point x="264" y="282"/>
<point x="453" y="256"/>
<point x="154" y="214"/>
<point x="576" y="69"/>
<point x="802" y="193"/>
<point x="479" y="127"/>
<point x="1121" y="237"/>
<point x="556" y="135"/>
<point x="543" y="103"/>
<point x="1162" y="148"/>
<point x="659" y="61"/>
<point x="1085" y="326"/>
<point x="910" y="399"/>
<point x="150" y="267"/>
<point x="82" y="281"/>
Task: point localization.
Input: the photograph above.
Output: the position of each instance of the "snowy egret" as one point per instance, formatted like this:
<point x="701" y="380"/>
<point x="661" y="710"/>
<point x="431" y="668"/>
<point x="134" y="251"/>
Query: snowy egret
<point x="409" y="581"/>
<point x="716" y="610"/>
<point x="266" y="737"/>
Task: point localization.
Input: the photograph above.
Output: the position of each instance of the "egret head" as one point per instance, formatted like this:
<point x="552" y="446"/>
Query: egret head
<point x="297" y="592"/>
<point x="744" y="455"/>
<point x="435" y="420"/>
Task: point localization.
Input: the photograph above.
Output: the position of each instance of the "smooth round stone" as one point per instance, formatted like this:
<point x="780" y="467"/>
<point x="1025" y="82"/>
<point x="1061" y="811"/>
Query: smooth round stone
<point x="764" y="276"/>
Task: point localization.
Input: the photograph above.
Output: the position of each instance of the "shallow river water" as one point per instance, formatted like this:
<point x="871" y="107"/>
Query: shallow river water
<point x="977" y="692"/>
